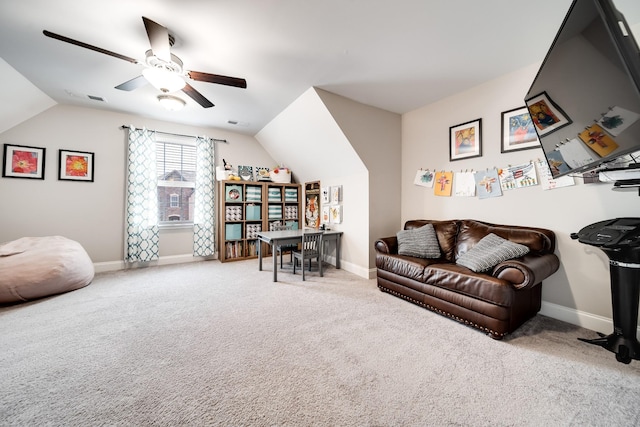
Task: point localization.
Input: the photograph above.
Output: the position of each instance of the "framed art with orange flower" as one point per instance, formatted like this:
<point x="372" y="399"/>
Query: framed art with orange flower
<point x="23" y="162"/>
<point x="75" y="166"/>
<point x="465" y="140"/>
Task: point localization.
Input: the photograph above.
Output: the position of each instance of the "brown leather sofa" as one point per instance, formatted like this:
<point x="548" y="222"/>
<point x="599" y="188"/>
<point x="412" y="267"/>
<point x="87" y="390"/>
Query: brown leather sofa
<point x="496" y="301"/>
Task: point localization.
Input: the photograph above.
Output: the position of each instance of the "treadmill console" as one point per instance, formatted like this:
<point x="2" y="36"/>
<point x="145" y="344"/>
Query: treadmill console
<point x="614" y="233"/>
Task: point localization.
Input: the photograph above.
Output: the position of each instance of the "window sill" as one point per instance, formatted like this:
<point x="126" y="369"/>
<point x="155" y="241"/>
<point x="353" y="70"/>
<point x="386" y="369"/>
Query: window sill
<point x="177" y="226"/>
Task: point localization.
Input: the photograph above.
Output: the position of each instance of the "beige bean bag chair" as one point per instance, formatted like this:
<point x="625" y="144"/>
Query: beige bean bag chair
<point x="35" y="267"/>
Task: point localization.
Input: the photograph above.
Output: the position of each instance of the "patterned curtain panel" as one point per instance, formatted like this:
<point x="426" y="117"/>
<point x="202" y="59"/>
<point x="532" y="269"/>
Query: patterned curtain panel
<point x="141" y="216"/>
<point x="204" y="236"/>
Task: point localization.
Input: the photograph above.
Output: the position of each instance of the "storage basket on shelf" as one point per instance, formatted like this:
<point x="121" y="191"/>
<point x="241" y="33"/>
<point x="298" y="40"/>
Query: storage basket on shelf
<point x="281" y="175"/>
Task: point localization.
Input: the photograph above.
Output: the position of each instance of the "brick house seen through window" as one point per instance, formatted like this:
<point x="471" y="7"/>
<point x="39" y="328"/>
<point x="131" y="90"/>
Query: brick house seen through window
<point x="176" y="167"/>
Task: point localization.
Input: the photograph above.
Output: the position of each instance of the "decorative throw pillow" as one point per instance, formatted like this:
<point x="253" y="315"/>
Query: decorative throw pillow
<point x="419" y="242"/>
<point x="489" y="252"/>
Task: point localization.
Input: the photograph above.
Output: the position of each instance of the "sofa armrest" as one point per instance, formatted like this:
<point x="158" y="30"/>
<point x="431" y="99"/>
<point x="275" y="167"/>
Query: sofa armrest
<point x="527" y="271"/>
<point x="387" y="245"/>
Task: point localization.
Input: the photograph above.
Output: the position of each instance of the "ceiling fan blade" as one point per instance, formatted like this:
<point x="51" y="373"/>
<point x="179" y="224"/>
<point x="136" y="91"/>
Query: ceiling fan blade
<point x="158" y="39"/>
<point x="132" y="84"/>
<point x="215" y="78"/>
<point x="88" y="46"/>
<point x="196" y="96"/>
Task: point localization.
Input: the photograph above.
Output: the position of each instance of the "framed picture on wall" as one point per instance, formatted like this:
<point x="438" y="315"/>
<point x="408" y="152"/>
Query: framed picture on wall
<point x="21" y="161"/>
<point x="335" y="214"/>
<point x="326" y="214"/>
<point x="465" y="140"/>
<point x="326" y="195"/>
<point x="75" y="166"/>
<point x="336" y="194"/>
<point x="518" y="132"/>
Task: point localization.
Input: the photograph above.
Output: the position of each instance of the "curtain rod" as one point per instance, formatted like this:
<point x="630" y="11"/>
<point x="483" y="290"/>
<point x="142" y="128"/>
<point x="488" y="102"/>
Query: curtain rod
<point x="177" y="134"/>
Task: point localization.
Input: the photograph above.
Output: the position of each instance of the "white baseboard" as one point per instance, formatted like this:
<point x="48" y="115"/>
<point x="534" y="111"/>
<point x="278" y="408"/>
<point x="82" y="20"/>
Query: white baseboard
<point x="365" y="273"/>
<point x="101" y="267"/>
<point x="352" y="268"/>
<point x="580" y="318"/>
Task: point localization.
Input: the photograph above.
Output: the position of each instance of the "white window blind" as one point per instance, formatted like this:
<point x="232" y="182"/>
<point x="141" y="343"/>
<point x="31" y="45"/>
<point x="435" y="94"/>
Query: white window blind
<point x="176" y="169"/>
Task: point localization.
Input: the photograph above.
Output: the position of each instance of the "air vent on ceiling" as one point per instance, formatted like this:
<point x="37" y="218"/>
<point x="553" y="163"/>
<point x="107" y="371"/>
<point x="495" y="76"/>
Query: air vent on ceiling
<point x="96" y="98"/>
<point x="237" y="123"/>
<point x="82" y="95"/>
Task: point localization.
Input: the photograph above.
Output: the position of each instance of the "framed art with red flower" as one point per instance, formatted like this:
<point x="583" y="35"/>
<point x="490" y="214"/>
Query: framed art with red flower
<point x="23" y="162"/>
<point x="75" y="166"/>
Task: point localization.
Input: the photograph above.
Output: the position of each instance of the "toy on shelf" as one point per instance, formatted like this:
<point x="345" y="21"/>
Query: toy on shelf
<point x="230" y="174"/>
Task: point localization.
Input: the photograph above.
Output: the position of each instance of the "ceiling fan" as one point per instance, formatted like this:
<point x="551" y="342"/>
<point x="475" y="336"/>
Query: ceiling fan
<point x="162" y="69"/>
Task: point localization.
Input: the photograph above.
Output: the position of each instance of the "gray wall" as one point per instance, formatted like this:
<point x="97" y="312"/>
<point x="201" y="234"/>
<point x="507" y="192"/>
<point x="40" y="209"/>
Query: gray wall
<point x="579" y="292"/>
<point x="93" y="213"/>
<point x="334" y="140"/>
<point x="375" y="135"/>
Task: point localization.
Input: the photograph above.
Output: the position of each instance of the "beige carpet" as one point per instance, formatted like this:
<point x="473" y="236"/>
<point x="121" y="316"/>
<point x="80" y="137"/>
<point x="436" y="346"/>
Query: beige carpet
<point x="220" y="344"/>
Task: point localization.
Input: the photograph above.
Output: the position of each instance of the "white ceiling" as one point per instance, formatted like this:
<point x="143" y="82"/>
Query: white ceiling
<point x="397" y="55"/>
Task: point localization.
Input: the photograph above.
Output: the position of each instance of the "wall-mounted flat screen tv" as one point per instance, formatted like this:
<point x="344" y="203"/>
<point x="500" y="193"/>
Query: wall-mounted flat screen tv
<point x="585" y="99"/>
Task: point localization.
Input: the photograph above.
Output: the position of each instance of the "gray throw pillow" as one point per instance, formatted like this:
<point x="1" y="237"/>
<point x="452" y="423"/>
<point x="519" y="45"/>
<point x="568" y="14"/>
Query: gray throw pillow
<point x="419" y="242"/>
<point x="489" y="252"/>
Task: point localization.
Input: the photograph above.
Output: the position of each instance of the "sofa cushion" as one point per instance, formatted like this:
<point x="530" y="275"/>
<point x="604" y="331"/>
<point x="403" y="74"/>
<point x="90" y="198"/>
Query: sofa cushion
<point x="490" y="251"/>
<point x="410" y="267"/>
<point x="446" y="231"/>
<point x="539" y="241"/>
<point x="419" y="242"/>
<point x="461" y="280"/>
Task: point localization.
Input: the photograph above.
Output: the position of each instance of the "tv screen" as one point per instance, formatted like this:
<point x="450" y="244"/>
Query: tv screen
<point x="585" y="99"/>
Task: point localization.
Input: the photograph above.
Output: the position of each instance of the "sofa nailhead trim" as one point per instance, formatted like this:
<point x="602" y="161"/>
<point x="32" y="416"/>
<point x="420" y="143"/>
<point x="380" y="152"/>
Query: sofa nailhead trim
<point x="444" y="313"/>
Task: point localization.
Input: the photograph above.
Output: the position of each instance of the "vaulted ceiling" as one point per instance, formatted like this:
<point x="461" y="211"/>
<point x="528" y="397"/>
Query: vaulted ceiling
<point x="396" y="55"/>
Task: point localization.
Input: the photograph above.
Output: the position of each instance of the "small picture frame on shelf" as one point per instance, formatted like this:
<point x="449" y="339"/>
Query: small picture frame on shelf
<point x="262" y="174"/>
<point x="21" y="161"/>
<point x="465" y="140"/>
<point x="245" y="173"/>
<point x="75" y="165"/>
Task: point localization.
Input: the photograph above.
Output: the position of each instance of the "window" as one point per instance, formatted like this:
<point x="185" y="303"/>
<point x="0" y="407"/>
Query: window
<point x="176" y="162"/>
<point x="176" y="168"/>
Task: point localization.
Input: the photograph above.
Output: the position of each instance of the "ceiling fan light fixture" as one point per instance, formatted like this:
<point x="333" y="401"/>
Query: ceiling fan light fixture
<point x="171" y="103"/>
<point x="164" y="80"/>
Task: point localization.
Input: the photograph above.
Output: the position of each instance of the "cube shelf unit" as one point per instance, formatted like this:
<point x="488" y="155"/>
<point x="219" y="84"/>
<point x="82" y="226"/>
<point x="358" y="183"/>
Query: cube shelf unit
<point x="283" y="205"/>
<point x="248" y="207"/>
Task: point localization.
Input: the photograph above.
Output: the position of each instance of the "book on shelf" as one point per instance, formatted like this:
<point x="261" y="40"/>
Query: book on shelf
<point x="233" y="250"/>
<point x="252" y="248"/>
